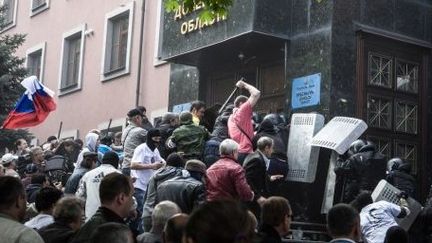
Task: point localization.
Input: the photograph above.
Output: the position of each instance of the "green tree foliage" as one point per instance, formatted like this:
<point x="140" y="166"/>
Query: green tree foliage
<point x="12" y="72"/>
<point x="211" y="9"/>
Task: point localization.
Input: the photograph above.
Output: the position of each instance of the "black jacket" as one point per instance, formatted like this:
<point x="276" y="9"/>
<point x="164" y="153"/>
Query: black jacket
<point x="166" y="131"/>
<point x="362" y="171"/>
<point x="402" y="180"/>
<point x="151" y="199"/>
<point x="57" y="232"/>
<point x="256" y="174"/>
<point x="220" y="129"/>
<point x="184" y="190"/>
<point x="31" y="191"/>
<point x="103" y="215"/>
<point x="268" y="234"/>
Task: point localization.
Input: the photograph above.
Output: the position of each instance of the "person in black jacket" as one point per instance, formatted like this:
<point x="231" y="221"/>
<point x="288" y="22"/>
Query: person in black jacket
<point x="38" y="181"/>
<point x="270" y="127"/>
<point x="116" y="196"/>
<point x="362" y="171"/>
<point x="276" y="216"/>
<point x="170" y="121"/>
<point x="401" y="178"/>
<point x="186" y="190"/>
<point x="256" y="165"/>
<point x="219" y="133"/>
<point x="174" y="166"/>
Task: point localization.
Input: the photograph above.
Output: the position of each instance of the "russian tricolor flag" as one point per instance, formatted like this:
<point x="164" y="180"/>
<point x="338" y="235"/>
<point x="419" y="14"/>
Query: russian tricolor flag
<point x="33" y="107"/>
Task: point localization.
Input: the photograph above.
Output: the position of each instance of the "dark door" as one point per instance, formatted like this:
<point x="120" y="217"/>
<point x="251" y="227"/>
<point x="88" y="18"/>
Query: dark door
<point x="391" y="81"/>
<point x="268" y="78"/>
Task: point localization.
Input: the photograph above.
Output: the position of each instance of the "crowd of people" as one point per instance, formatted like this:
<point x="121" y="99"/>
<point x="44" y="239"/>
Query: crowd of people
<point x="180" y="181"/>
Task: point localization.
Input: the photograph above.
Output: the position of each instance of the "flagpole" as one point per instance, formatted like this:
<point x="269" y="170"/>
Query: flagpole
<point x="229" y="98"/>
<point x="59" y="131"/>
<point x="109" y="126"/>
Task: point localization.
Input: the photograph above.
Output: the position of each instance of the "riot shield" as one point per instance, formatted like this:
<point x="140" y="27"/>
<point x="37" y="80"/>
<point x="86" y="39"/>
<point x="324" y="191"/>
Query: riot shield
<point x="302" y="157"/>
<point x="387" y="192"/>
<point x="339" y="133"/>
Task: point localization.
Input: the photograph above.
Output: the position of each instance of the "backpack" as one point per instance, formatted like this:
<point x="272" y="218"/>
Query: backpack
<point x="57" y="169"/>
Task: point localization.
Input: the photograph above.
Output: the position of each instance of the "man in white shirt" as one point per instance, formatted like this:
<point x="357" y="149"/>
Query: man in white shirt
<point x="88" y="189"/>
<point x="46" y="198"/>
<point x="145" y="160"/>
<point x="377" y="218"/>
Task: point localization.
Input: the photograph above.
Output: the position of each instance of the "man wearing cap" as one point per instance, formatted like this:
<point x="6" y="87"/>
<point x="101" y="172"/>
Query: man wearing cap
<point x="189" y="138"/>
<point x="9" y="163"/>
<point x="88" y="189"/>
<point x="132" y="136"/>
<point x="186" y="190"/>
<point x="89" y="163"/>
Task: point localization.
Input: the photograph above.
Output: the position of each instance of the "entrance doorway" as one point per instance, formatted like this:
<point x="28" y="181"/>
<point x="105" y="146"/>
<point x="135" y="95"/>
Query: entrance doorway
<point x="391" y="98"/>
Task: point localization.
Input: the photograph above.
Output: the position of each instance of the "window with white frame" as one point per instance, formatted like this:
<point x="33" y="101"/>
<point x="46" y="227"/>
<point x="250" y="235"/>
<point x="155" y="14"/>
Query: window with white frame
<point x="157" y="60"/>
<point x="72" y="59"/>
<point x="117" y="44"/>
<point x="38" y="6"/>
<point x="35" y="61"/>
<point x="8" y="13"/>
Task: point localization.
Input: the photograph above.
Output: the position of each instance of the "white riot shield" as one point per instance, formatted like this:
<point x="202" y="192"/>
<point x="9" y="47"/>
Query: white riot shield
<point x="387" y="192"/>
<point x="339" y="133"/>
<point x="302" y="157"/>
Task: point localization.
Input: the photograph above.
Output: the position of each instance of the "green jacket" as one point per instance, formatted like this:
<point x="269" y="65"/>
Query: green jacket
<point x="190" y="139"/>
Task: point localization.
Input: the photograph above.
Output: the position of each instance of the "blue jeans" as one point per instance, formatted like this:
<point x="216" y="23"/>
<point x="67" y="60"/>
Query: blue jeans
<point x="137" y="224"/>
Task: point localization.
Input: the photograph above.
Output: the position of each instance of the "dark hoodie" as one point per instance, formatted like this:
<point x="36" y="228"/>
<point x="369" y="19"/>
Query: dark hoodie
<point x="402" y="179"/>
<point x="160" y="176"/>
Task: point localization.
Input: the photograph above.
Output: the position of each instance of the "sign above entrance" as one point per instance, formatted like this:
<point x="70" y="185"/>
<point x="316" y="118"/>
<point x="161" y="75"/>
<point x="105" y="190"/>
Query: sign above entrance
<point x="306" y="91"/>
<point x="183" y="32"/>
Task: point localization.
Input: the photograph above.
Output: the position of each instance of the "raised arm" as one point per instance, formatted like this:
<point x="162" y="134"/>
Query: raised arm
<point x="254" y="92"/>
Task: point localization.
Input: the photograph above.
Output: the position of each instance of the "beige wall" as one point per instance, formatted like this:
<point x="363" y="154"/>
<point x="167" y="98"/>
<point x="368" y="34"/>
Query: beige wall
<point x="97" y="101"/>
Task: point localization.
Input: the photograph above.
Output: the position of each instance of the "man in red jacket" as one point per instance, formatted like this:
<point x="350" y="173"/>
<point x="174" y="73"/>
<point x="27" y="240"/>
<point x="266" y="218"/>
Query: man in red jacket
<point x="226" y="178"/>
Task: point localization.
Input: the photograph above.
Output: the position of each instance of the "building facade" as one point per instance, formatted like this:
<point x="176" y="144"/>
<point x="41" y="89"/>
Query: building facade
<point x="98" y="57"/>
<point x="372" y="59"/>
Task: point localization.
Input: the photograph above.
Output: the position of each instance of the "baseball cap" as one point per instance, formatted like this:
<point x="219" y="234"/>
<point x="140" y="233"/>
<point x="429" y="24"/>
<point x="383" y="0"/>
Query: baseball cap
<point x="90" y="154"/>
<point x="195" y="165"/>
<point x="8" y="157"/>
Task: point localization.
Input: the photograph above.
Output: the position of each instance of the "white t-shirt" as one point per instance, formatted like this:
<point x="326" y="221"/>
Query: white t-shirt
<point x="88" y="189"/>
<point x="144" y="155"/>
<point x="41" y="220"/>
<point x="376" y="219"/>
